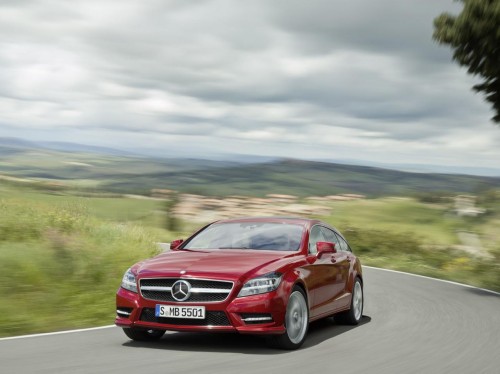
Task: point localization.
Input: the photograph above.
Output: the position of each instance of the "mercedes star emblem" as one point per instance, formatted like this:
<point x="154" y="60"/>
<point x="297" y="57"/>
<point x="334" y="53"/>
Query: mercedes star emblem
<point x="181" y="290"/>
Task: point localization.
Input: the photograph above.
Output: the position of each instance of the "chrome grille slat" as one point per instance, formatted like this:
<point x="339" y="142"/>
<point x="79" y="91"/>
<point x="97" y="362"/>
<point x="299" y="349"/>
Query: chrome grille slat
<point x="209" y="290"/>
<point x="156" y="288"/>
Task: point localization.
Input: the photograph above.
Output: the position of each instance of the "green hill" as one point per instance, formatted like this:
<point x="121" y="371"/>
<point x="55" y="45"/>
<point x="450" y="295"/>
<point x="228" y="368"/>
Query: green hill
<point x="99" y="172"/>
<point x="303" y="178"/>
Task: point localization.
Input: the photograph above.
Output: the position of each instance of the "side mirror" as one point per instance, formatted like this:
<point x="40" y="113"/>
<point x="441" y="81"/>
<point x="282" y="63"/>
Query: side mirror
<point x="325" y="247"/>
<point x="176" y="243"/>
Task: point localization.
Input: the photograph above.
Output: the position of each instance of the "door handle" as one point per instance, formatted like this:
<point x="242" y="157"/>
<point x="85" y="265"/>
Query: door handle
<point x="334" y="260"/>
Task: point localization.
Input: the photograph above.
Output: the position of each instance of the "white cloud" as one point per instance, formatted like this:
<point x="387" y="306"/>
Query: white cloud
<point x="316" y="79"/>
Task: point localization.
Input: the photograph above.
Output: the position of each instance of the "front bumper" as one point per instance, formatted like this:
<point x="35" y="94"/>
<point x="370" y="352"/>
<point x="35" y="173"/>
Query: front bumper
<point x="257" y="314"/>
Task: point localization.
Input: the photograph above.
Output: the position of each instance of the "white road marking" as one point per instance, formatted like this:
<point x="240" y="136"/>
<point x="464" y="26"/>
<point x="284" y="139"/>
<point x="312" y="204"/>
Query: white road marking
<point x="57" y="333"/>
<point x="435" y="279"/>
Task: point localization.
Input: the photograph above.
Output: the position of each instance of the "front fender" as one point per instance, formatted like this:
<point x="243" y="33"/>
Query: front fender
<point x="295" y="278"/>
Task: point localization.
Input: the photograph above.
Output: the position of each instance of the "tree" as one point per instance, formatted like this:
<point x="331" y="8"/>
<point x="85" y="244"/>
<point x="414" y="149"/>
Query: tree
<point x="474" y="36"/>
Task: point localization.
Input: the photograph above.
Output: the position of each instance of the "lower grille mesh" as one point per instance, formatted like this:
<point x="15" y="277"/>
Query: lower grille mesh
<point x="211" y="319"/>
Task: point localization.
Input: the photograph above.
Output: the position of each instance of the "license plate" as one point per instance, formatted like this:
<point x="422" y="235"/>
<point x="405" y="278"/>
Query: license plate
<point x="172" y="311"/>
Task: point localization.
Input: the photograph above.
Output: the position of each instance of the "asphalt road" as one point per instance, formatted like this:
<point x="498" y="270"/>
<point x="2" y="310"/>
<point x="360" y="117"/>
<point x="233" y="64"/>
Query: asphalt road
<point x="411" y="325"/>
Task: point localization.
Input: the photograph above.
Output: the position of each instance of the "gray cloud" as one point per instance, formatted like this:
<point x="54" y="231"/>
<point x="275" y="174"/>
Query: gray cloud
<point x="271" y="76"/>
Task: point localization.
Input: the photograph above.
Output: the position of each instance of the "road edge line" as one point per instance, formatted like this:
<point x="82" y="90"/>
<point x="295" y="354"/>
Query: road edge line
<point x="57" y="332"/>
<point x="435" y="279"/>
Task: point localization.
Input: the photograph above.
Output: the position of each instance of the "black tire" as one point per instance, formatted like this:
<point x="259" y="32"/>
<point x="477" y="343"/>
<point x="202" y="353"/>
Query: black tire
<point x="355" y="312"/>
<point x="296" y="322"/>
<point x="143" y="335"/>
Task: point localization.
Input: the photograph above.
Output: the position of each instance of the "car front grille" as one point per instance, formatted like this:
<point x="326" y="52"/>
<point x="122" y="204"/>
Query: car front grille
<point x="202" y="290"/>
<point x="212" y="318"/>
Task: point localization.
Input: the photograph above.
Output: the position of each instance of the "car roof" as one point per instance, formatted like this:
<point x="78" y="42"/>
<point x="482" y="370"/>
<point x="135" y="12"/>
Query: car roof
<point x="292" y="220"/>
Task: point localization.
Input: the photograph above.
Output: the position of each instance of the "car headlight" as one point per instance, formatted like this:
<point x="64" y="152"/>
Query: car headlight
<point x="262" y="284"/>
<point x="129" y="282"/>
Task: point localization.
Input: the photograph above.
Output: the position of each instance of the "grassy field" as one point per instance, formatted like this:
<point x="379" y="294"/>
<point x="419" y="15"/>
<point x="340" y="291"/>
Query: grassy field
<point x="430" y="222"/>
<point x="62" y="256"/>
<point x="143" y="212"/>
<point x="422" y="238"/>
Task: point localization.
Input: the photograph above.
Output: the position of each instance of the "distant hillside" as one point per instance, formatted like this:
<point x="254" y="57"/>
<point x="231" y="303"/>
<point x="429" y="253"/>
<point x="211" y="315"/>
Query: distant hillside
<point x="33" y="161"/>
<point x="134" y="174"/>
<point x="304" y="178"/>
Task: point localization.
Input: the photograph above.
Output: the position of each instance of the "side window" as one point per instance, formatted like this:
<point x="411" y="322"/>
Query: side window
<point x="330" y="236"/>
<point x="315" y="236"/>
<point x="343" y="245"/>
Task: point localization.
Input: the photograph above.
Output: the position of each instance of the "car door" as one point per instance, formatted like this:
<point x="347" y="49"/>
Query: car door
<point x="322" y="275"/>
<point x="341" y="264"/>
<point x="346" y="259"/>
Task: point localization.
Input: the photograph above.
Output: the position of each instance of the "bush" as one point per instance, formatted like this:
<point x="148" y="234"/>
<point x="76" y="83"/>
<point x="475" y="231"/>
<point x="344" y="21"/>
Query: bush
<point x="381" y="243"/>
<point x="433" y="197"/>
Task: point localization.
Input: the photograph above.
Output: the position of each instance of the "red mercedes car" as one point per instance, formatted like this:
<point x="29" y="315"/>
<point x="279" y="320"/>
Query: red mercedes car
<point x="251" y="275"/>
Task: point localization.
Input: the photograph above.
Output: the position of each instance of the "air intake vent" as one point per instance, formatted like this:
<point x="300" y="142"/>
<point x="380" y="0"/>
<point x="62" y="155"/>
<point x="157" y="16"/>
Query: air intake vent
<point x="212" y="318"/>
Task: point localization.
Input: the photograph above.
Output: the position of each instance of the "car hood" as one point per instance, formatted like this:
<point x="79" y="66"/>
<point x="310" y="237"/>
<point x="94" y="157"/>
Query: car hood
<point x="221" y="264"/>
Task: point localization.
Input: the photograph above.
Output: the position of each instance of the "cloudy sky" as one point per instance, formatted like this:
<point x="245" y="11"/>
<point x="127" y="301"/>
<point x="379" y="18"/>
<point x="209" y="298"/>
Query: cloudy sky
<point x="316" y="79"/>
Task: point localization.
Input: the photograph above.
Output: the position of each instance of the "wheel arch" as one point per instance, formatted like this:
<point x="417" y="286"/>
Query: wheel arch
<point x="301" y="285"/>
<point x="293" y="279"/>
<point x="357" y="272"/>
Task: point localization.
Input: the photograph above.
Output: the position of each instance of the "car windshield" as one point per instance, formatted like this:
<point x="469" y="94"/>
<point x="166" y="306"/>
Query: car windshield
<point x="248" y="235"/>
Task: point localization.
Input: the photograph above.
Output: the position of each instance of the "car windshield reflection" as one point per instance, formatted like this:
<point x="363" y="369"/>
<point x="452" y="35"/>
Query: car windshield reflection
<point x="249" y="235"/>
